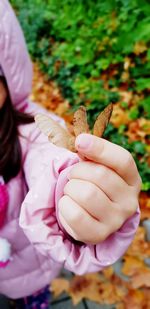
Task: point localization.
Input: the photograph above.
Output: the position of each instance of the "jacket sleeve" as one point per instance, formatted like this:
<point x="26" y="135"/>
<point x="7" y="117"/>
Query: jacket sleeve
<point x="46" y="167"/>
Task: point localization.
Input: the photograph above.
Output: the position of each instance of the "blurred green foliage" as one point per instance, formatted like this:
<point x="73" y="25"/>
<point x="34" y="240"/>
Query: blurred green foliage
<point x="76" y="41"/>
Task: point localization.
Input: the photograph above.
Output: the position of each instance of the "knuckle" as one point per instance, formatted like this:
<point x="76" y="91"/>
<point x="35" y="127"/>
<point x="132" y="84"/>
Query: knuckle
<point x="128" y="160"/>
<point x="74" y="171"/>
<point x="102" y="173"/>
<point x="76" y="218"/>
<point x="131" y="208"/>
<point x="136" y="188"/>
<point x="117" y="222"/>
<point x="98" y="236"/>
<point x="89" y="193"/>
<point x="104" y="233"/>
<point x="70" y="186"/>
<point x="61" y="203"/>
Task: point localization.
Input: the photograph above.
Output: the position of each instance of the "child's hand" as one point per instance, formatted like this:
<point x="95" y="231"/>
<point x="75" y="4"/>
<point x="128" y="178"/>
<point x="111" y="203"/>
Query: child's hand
<point x="101" y="193"/>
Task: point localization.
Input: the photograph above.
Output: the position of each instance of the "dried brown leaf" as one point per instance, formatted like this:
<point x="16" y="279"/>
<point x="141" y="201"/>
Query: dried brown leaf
<point x="63" y="138"/>
<point x="55" y="132"/>
<point x="80" y="124"/>
<point x="102" y="121"/>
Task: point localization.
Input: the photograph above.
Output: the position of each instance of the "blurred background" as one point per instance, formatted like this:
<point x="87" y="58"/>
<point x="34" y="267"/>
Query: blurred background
<point x="93" y="53"/>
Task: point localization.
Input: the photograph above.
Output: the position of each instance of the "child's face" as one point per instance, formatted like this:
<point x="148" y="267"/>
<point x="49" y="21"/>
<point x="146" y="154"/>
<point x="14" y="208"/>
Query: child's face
<point x="3" y="93"/>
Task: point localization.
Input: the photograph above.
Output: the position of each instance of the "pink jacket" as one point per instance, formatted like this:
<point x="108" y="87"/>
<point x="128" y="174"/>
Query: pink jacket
<point x="40" y="247"/>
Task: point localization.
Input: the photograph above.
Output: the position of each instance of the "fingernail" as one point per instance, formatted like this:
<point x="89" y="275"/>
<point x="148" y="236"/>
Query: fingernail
<point x="83" y="141"/>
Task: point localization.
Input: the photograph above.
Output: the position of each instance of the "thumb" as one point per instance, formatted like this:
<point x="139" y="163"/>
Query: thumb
<point x="89" y="146"/>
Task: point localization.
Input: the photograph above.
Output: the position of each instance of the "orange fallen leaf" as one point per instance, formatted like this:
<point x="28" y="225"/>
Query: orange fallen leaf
<point x="45" y="92"/>
<point x="119" y="116"/>
<point x="108" y="272"/>
<point x="58" y="286"/>
<point x="134" y="299"/>
<point x="144" y="205"/>
<point x="138" y="129"/>
<point x="132" y="265"/>
<point x="96" y="288"/>
<point x="141" y="279"/>
<point x="133" y="250"/>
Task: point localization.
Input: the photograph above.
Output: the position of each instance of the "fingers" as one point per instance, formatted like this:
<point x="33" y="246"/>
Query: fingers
<point x="93" y="200"/>
<point x="103" y="177"/>
<point x="115" y="190"/>
<point x="79" y="224"/>
<point x="113" y="156"/>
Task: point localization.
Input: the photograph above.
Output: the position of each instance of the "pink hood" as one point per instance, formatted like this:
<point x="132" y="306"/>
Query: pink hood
<point x="14" y="58"/>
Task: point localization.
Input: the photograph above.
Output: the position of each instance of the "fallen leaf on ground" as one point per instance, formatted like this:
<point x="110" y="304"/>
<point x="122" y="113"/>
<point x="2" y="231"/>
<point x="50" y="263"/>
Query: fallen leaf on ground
<point x="134" y="299"/>
<point x="58" y="286"/>
<point x="133" y="266"/>
<point x="96" y="288"/>
<point x="133" y="250"/>
<point x="119" y="116"/>
<point x="141" y="279"/>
